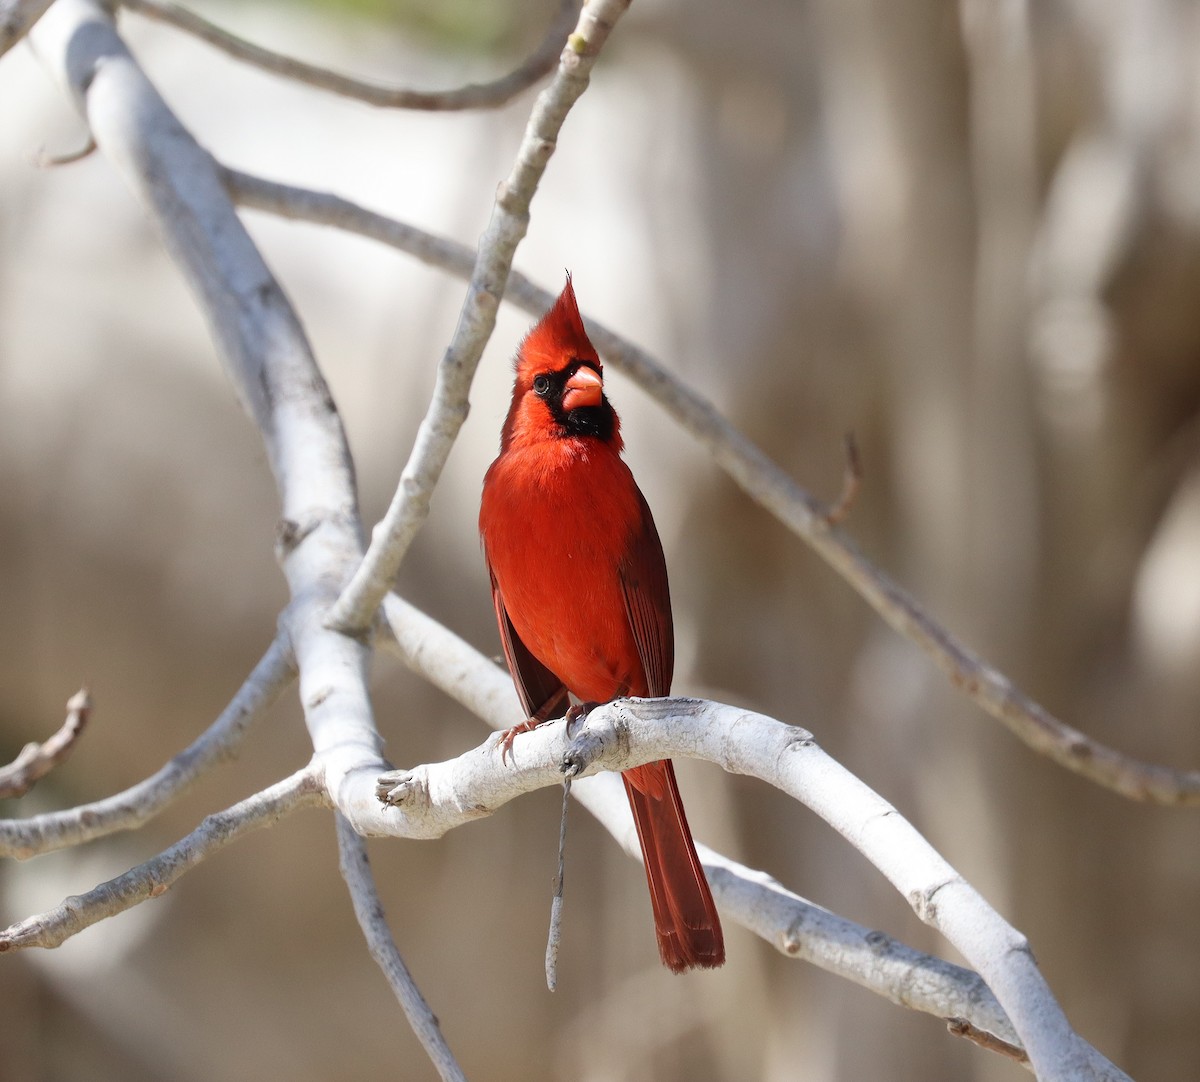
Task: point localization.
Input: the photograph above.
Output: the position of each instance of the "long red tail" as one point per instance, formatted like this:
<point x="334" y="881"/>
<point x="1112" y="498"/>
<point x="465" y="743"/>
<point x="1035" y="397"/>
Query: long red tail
<point x="685" y="918"/>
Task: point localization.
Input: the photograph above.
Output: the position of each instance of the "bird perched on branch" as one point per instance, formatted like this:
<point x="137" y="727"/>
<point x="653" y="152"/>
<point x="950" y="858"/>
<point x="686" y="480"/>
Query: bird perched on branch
<point x="579" y="586"/>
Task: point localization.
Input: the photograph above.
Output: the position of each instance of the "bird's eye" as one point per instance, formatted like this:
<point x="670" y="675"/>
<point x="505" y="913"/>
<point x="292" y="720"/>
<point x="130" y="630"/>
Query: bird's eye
<point x="541" y="386"/>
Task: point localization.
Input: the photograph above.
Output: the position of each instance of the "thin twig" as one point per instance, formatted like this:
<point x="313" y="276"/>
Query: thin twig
<point x="37" y="760"/>
<point x="490" y="95"/>
<point x="127" y="810"/>
<point x="304" y="789"/>
<point x="356" y="608"/>
<point x="556" y="903"/>
<point x="43" y="159"/>
<point x="765" y="482"/>
<point x="851" y="483"/>
<point x="356" y="870"/>
<point x="961" y="1027"/>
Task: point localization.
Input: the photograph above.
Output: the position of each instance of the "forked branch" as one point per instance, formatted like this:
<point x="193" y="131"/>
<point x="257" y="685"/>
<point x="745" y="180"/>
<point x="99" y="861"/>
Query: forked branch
<point x="127" y="810"/>
<point x="437" y="797"/>
<point x="770" y="486"/>
<point x="630" y="732"/>
<point x="303" y="789"/>
<point x="356" y="608"/>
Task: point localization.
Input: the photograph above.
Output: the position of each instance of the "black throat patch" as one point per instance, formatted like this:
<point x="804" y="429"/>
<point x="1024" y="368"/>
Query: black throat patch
<point x="597" y="421"/>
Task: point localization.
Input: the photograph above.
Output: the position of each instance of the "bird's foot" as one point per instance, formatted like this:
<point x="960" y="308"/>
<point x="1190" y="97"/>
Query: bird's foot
<point x="507" y="736"/>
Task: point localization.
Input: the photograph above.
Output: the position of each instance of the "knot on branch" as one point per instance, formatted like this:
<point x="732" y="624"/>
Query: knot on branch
<point x="401" y="788"/>
<point x="798" y="739"/>
<point x="289" y="534"/>
<point x="880" y="942"/>
<point x="603" y="732"/>
<point x="924" y="901"/>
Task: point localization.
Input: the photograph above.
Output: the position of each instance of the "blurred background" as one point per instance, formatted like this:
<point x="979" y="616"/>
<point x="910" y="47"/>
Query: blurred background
<point x="969" y="233"/>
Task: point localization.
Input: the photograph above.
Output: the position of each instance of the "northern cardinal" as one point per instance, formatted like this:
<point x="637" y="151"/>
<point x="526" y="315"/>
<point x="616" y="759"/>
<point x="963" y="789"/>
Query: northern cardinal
<point x="579" y="585"/>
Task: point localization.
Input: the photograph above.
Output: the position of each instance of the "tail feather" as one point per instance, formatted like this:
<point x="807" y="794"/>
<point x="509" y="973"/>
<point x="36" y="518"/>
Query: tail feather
<point x="685" y="918"/>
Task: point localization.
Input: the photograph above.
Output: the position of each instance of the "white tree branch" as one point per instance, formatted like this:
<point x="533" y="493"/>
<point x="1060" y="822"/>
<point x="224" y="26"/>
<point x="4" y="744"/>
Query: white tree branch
<point x="795" y="926"/>
<point x="488" y="95"/>
<point x="356" y="870"/>
<point x="268" y="358"/>
<point x="356" y="608"/>
<point x="127" y="810"/>
<point x="444" y="795"/>
<point x="628" y="732"/>
<point x="800" y="929"/>
<point x="871" y="959"/>
<point x="770" y="486"/>
<point x="266" y="355"/>
<point x="154" y="877"/>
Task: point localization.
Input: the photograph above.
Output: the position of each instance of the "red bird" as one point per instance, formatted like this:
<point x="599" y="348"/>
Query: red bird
<point x="579" y="586"/>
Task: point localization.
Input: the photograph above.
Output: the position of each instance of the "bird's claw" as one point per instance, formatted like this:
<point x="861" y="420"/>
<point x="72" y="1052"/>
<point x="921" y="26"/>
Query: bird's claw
<point x="577" y="713"/>
<point x="507" y="736"/>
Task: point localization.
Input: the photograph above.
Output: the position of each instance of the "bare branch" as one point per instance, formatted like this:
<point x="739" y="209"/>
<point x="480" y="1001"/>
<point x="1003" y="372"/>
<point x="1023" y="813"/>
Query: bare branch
<point x="629" y="732"/>
<point x="355" y="609"/>
<point x="271" y="364"/>
<point x="23" y="838"/>
<point x="554" y="936"/>
<point x="872" y="959"/>
<point x="267" y="357"/>
<point x="17" y="18"/>
<point x="799" y="929"/>
<point x="753" y="899"/>
<point x="765" y="482"/>
<point x="37" y="760"/>
<point x="356" y="870"/>
<point x="851" y="483"/>
<point x="490" y="95"/>
<point x="787" y="758"/>
<point x="323" y="208"/>
<point x="961" y="1027"/>
<point x="303" y="789"/>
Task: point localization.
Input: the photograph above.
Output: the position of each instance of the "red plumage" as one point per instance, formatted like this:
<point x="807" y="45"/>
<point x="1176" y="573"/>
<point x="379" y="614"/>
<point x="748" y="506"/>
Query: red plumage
<point x="579" y="586"/>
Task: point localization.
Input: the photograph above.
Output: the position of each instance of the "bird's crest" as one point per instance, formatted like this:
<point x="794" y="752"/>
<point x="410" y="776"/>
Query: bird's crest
<point x="557" y="339"/>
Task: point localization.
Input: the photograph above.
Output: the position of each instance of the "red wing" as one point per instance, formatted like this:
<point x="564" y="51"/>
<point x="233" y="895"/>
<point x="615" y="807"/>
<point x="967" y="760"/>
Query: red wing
<point x="543" y="695"/>
<point x="648" y="604"/>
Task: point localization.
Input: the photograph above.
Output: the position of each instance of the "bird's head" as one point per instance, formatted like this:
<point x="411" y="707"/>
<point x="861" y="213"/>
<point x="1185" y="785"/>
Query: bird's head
<point x="559" y="388"/>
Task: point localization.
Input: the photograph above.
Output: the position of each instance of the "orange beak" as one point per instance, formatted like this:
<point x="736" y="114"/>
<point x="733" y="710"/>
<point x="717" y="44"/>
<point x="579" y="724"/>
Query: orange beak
<point x="585" y="388"/>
